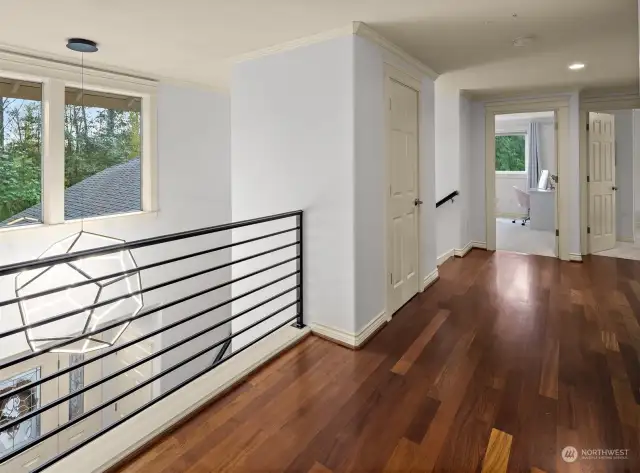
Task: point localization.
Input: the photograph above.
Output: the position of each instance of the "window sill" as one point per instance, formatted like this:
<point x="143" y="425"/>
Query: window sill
<point x="40" y="226"/>
<point x="512" y="173"/>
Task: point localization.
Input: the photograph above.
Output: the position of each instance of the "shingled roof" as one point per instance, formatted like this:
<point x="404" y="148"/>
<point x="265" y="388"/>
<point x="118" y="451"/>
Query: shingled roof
<point x="112" y="191"/>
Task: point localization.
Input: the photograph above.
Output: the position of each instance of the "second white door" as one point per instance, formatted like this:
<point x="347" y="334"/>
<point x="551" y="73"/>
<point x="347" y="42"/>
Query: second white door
<point x="602" y="182"/>
<point x="402" y="200"/>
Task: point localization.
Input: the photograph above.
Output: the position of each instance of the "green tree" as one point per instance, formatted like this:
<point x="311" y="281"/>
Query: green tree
<point x="510" y="153"/>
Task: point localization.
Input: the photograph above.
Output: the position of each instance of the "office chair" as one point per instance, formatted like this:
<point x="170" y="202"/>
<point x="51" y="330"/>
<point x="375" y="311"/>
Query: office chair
<point x="524" y="202"/>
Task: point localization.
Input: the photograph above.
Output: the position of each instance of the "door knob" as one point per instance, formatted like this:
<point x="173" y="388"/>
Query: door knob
<point x="417" y="202"/>
<point x="614" y="188"/>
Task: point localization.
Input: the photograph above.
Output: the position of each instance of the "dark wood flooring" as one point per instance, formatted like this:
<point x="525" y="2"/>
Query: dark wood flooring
<point x="498" y="367"/>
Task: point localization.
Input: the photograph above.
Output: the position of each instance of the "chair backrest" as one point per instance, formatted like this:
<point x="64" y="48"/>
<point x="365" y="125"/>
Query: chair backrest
<point x="523" y="198"/>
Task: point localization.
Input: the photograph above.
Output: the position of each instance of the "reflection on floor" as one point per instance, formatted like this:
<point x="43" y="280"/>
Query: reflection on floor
<point x="623" y="250"/>
<point x="514" y="237"/>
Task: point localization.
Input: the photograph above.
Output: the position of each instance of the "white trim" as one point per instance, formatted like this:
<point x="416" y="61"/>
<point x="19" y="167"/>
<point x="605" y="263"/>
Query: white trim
<point x="430" y="279"/>
<point x="462" y="252"/>
<point x="575" y="257"/>
<point x="444" y="257"/>
<point x="114" y="447"/>
<point x="347" y="30"/>
<point x="357" y="28"/>
<point x="626" y="240"/>
<point x="353" y="340"/>
<point x="560" y="105"/>
<point x="365" y="31"/>
<point x="479" y="244"/>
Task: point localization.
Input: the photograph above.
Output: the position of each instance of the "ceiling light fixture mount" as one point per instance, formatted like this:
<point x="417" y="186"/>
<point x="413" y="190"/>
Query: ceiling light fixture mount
<point x="576" y="66"/>
<point x="82" y="45"/>
<point x="523" y="41"/>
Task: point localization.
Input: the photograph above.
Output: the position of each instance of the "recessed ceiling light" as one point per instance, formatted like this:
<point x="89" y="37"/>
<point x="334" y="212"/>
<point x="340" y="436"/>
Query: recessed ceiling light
<point x="522" y="41"/>
<point x="576" y="66"/>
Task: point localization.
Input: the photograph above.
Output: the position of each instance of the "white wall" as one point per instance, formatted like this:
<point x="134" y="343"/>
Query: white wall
<point x="309" y="132"/>
<point x="370" y="177"/>
<point x="194" y="191"/>
<point x="447" y="166"/>
<point x="624" y="174"/>
<point x="292" y="148"/>
<point x="636" y="169"/>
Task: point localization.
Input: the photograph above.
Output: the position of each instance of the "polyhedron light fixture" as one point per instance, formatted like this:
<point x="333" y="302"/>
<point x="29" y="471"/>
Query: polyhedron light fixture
<point x="45" y="307"/>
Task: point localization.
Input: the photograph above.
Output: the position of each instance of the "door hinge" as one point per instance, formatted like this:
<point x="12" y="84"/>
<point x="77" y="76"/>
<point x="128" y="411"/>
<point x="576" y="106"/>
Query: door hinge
<point x="389" y="103"/>
<point x="555" y="125"/>
<point x="58" y="364"/>
<point x="587" y="127"/>
<point x="588" y="179"/>
<point x="588" y="229"/>
<point x="116" y="407"/>
<point x="391" y="278"/>
<point x="557" y="232"/>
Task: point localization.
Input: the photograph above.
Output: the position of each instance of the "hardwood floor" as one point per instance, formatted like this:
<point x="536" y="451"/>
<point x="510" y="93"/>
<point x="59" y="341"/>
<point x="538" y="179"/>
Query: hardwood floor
<point x="498" y="367"/>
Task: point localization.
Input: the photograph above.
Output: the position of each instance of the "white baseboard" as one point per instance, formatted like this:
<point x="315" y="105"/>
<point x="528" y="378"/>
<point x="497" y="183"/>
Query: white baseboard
<point x="444" y="257"/>
<point x="626" y="240"/>
<point x="575" y="257"/>
<point x="430" y="279"/>
<point x="479" y="244"/>
<point x="114" y="446"/>
<point x="462" y="252"/>
<point x="352" y="340"/>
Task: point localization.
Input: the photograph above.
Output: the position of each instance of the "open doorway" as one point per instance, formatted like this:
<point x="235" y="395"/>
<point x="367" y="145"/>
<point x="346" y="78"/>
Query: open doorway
<point x="614" y="183"/>
<point x="525" y="182"/>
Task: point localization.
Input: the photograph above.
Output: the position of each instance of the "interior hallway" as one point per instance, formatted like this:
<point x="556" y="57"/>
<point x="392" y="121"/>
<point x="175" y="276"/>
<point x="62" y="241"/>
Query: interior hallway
<point x="506" y="360"/>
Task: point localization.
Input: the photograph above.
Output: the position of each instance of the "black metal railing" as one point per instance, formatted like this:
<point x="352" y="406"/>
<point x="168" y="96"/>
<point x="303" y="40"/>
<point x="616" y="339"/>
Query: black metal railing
<point x="223" y="345"/>
<point x="450" y="197"/>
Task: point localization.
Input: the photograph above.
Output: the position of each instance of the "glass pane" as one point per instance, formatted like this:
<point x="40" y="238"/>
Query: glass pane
<point x="102" y="154"/>
<point x="20" y="152"/>
<point x="510" y="153"/>
<point x="76" y="382"/>
<point x="15" y="406"/>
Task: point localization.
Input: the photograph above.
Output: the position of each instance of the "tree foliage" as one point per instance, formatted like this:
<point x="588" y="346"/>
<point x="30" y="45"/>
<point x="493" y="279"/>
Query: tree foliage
<point x="510" y="153"/>
<point x="95" y="139"/>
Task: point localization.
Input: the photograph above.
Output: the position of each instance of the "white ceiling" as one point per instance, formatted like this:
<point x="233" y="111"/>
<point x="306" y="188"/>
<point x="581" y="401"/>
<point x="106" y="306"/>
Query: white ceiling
<point x="193" y="40"/>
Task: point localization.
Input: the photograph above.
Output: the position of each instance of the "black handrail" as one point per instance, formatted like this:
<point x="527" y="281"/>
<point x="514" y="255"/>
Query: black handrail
<point x="224" y="344"/>
<point x="447" y="198"/>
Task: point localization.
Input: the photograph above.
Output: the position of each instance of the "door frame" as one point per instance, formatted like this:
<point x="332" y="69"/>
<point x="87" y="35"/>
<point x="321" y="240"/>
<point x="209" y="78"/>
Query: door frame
<point x="559" y="105"/>
<point x="393" y="73"/>
<point x="596" y="104"/>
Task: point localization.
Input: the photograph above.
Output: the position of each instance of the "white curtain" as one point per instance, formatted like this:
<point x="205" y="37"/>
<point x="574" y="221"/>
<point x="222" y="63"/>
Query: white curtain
<point x="533" y="170"/>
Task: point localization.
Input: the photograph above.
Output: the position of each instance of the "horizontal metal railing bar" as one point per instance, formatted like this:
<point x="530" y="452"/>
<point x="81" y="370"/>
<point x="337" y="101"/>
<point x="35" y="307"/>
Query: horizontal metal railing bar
<point x="145" y="313"/>
<point x="141" y="361"/>
<point x="105" y="250"/>
<point x="154" y="287"/>
<point x="130" y="272"/>
<point x="153" y="333"/>
<point x="162" y="396"/>
<point x="140" y="385"/>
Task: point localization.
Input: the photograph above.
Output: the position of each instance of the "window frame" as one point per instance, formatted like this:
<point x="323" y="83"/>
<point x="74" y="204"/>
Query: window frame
<point x="55" y="76"/>
<point x="524" y="133"/>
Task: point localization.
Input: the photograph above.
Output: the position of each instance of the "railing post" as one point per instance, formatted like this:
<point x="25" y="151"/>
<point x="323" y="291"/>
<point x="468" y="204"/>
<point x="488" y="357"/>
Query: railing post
<point x="299" y="323"/>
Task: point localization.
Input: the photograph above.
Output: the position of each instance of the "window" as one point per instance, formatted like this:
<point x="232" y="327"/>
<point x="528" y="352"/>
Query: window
<point x="510" y="152"/>
<point x="15" y="406"/>
<point x="102" y="171"/>
<point x="20" y="152"/>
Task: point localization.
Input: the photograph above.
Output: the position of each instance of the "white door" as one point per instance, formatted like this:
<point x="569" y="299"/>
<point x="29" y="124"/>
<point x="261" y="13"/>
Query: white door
<point x="602" y="182"/>
<point x="80" y="403"/>
<point x="402" y="209"/>
<point x="25" y="401"/>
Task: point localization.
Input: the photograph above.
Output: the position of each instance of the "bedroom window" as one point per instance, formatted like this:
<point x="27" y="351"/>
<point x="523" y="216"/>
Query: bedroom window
<point x="510" y="152"/>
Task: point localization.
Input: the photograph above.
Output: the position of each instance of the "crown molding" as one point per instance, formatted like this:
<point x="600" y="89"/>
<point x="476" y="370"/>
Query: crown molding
<point x="294" y="44"/>
<point x="365" y="31"/>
